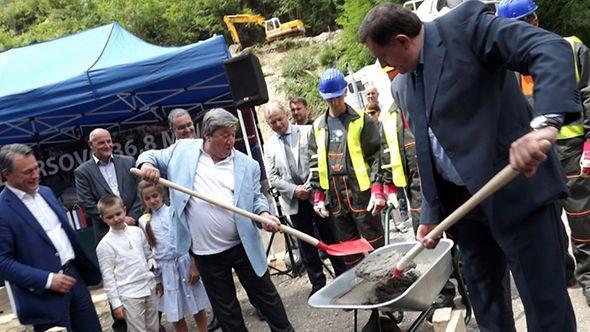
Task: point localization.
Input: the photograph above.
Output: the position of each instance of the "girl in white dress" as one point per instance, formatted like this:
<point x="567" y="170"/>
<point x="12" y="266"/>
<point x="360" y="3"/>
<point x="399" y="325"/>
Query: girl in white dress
<point x="180" y="290"/>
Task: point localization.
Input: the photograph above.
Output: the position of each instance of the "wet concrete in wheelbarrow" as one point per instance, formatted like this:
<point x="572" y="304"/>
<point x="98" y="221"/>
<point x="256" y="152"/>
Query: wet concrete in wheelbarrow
<point x="377" y="284"/>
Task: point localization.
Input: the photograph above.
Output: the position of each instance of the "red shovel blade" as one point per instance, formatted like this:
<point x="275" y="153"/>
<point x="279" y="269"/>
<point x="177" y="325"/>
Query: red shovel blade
<point x="346" y="248"/>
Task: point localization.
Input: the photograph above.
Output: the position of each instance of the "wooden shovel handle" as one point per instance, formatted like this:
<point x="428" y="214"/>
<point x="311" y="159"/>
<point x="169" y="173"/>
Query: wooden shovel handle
<point x="503" y="177"/>
<point x="284" y="228"/>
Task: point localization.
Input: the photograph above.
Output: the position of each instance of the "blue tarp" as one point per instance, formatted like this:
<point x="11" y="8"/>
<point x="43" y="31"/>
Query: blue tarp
<point x="58" y="91"/>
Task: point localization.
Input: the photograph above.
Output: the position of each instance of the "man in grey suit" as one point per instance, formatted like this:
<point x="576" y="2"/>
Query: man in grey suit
<point x="470" y="120"/>
<point x="287" y="164"/>
<point x="106" y="173"/>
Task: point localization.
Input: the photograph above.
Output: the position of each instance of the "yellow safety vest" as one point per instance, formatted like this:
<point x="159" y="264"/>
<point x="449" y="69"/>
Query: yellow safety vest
<point x="361" y="169"/>
<point x="573" y="130"/>
<point x="389" y="123"/>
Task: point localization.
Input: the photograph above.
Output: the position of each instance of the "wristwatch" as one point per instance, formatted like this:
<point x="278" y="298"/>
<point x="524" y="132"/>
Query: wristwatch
<point x="542" y="121"/>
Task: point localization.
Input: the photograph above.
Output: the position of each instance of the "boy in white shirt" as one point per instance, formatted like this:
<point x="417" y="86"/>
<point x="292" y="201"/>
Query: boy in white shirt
<point x="125" y="262"/>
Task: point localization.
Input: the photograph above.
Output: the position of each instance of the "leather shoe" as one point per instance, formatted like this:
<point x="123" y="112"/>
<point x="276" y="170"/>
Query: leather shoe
<point x="213" y="324"/>
<point x="315" y="289"/>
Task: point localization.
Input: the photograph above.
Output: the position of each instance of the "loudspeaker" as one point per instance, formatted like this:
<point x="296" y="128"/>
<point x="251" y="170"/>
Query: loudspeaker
<point x="246" y="81"/>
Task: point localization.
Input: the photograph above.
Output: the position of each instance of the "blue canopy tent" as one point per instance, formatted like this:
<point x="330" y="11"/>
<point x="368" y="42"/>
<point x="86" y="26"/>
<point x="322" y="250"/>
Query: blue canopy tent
<point x="58" y="91"/>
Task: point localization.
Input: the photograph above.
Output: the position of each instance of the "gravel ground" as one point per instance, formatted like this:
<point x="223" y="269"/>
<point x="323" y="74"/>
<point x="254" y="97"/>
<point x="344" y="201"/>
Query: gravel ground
<point x="294" y="292"/>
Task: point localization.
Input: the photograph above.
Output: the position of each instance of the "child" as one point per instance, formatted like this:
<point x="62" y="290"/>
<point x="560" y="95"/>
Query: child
<point x="183" y="292"/>
<point x="125" y="261"/>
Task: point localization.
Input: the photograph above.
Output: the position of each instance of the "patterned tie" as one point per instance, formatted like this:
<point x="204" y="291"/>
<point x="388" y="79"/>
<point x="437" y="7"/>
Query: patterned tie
<point x="291" y="161"/>
<point x="423" y="139"/>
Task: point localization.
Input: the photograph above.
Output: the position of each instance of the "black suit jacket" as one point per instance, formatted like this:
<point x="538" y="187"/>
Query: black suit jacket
<point x="91" y="186"/>
<point x="476" y="109"/>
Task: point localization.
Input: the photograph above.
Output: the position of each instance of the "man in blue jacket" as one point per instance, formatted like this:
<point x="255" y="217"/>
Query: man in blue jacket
<point x="39" y="252"/>
<point x="470" y="120"/>
<point x="219" y="239"/>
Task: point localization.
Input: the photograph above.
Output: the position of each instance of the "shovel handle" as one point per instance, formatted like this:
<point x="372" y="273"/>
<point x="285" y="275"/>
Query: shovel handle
<point x="284" y="228"/>
<point x="506" y="175"/>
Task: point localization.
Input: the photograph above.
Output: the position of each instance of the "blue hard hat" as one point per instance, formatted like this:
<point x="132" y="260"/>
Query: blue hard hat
<point x="516" y="8"/>
<point x="332" y="84"/>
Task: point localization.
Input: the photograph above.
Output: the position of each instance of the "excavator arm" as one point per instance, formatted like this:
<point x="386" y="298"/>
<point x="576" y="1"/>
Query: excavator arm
<point x="241" y="18"/>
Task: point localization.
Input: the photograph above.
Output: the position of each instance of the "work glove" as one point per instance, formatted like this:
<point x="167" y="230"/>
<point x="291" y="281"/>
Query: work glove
<point x="319" y="204"/>
<point x="391" y="195"/>
<point x="377" y="201"/>
<point x="585" y="160"/>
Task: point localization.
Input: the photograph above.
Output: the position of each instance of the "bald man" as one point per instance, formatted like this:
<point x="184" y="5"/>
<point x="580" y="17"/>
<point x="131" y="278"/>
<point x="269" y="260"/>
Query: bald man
<point x="106" y="173"/>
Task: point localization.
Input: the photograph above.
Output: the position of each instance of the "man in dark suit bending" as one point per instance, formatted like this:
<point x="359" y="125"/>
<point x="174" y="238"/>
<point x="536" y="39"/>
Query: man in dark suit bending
<point x="470" y="120"/>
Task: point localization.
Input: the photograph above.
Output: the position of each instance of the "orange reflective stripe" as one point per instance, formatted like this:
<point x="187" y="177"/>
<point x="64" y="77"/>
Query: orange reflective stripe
<point x="577" y="213"/>
<point x="375" y="239"/>
<point x="335" y="155"/>
<point x="348" y="199"/>
<point x="353" y="261"/>
<point x="527" y="84"/>
<point x="409" y="145"/>
<point x="580" y="240"/>
<point x="337" y="198"/>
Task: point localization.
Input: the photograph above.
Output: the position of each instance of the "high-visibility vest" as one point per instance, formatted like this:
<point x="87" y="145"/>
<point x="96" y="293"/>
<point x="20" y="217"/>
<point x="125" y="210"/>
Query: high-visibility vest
<point x="389" y="123"/>
<point x="573" y="130"/>
<point x="355" y="151"/>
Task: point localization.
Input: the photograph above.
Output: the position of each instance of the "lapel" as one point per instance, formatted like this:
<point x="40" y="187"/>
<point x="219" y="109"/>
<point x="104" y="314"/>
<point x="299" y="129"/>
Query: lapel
<point x="119" y="171"/>
<point x="192" y="160"/>
<point x="434" y="54"/>
<point x="295" y="133"/>
<point x="21" y="210"/>
<point x="95" y="172"/>
<point x="280" y="149"/>
<point x="239" y="170"/>
<point x="54" y="205"/>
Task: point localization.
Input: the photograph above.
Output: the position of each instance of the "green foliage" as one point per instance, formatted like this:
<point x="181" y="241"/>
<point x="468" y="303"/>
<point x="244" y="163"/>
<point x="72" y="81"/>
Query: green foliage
<point x="353" y="13"/>
<point x="565" y="18"/>
<point x="299" y="70"/>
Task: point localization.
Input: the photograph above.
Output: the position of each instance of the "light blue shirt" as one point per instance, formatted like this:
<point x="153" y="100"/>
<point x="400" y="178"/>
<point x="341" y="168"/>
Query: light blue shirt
<point x="108" y="173"/>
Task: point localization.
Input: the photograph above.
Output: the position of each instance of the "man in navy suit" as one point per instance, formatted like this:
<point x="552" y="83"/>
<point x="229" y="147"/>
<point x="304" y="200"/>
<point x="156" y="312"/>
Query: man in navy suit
<point x="39" y="252"/>
<point x="470" y="120"/>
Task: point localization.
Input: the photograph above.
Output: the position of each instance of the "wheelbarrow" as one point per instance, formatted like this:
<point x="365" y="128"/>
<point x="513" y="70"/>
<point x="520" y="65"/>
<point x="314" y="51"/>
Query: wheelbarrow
<point x="419" y="297"/>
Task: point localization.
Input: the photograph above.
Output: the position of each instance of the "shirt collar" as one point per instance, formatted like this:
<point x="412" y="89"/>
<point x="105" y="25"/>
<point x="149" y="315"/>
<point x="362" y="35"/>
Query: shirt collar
<point x="96" y="160"/>
<point x="203" y="152"/>
<point x="287" y="132"/>
<point x="19" y="193"/>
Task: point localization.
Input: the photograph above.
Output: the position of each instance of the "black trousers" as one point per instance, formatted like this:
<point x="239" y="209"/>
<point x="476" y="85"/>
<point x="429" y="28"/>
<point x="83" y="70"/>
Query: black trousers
<point x="216" y="273"/>
<point x="307" y="221"/>
<point x="533" y="251"/>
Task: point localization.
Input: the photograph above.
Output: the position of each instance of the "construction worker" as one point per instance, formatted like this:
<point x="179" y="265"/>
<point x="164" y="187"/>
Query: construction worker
<point x="344" y="159"/>
<point x="573" y="144"/>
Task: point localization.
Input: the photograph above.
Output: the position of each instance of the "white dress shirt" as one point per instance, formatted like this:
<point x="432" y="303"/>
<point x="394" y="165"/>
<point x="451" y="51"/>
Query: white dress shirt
<point x="108" y="173"/>
<point x="213" y="229"/>
<point x="123" y="258"/>
<point x="47" y="218"/>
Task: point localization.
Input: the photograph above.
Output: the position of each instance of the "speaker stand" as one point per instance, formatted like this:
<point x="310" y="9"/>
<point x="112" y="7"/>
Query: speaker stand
<point x="289" y="242"/>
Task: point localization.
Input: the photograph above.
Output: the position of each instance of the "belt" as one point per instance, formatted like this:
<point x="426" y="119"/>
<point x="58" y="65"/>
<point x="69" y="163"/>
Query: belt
<point x="67" y="266"/>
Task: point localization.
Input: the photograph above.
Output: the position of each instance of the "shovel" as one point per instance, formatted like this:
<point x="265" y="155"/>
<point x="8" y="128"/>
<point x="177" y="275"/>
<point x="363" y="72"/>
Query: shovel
<point x="344" y="248"/>
<point x="494" y="184"/>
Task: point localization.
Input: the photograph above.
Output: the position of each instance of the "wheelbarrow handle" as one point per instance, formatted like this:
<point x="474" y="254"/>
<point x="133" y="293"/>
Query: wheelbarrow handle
<point x="503" y="177"/>
<point x="284" y="228"/>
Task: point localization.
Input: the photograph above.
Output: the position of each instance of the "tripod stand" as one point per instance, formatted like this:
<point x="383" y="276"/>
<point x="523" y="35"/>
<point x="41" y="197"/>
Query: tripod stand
<point x="292" y="271"/>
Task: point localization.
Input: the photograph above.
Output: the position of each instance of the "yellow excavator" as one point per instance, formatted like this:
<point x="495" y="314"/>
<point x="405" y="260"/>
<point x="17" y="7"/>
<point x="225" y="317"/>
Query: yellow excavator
<point x="273" y="28"/>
